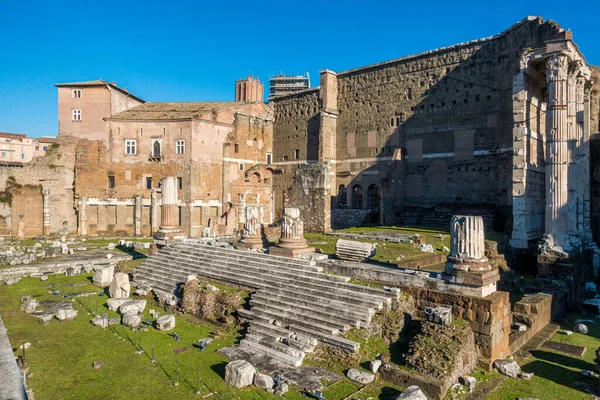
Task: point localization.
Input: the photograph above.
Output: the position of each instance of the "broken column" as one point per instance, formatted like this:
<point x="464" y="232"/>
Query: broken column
<point x="354" y="251"/>
<point x="21" y="227"/>
<point x="169" y="224"/>
<point x="252" y="236"/>
<point x="466" y="264"/>
<point x="292" y="242"/>
<point x="153" y="212"/>
<point x="83" y="217"/>
<point x="46" y="202"/>
<point x="137" y="215"/>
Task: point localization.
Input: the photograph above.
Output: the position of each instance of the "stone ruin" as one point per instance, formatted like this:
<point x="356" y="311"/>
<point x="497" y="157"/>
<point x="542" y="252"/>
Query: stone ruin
<point x="292" y="242"/>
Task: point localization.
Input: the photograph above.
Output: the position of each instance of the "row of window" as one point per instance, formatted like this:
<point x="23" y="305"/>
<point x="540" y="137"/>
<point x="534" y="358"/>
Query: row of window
<point x="149" y="182"/>
<point x="131" y="147"/>
<point x="4" y="155"/>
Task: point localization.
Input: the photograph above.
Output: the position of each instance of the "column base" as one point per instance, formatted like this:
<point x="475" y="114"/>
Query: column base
<point x="290" y="252"/>
<point x="253" y="242"/>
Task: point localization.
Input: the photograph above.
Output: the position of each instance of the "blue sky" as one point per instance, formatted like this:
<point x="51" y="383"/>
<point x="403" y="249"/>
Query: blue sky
<point x="195" y="50"/>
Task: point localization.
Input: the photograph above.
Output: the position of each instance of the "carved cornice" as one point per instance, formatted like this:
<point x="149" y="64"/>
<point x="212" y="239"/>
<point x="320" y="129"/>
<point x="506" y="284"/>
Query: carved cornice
<point x="557" y="66"/>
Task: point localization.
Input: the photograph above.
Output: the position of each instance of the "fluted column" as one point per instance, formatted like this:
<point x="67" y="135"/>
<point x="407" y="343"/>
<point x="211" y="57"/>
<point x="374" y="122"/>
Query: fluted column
<point x="170" y="209"/>
<point x="557" y="152"/>
<point x="292" y="229"/>
<point x="467" y="239"/>
<point x="241" y="209"/>
<point x="46" y="202"/>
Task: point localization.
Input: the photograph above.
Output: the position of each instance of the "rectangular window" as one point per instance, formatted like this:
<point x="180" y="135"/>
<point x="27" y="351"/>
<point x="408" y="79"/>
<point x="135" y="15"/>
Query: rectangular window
<point x="76" y="114"/>
<point x="130" y="147"/>
<point x="180" y="146"/>
<point x="149" y="182"/>
<point x="241" y="166"/>
<point x="22" y="156"/>
<point x="22" y="149"/>
<point x="297" y="154"/>
<point x="3" y="155"/>
<point x="76" y="93"/>
<point x="111" y="182"/>
<point x="269" y="158"/>
<point x="45" y="148"/>
<point x="37" y="148"/>
<point x="235" y="148"/>
<point x="179" y="183"/>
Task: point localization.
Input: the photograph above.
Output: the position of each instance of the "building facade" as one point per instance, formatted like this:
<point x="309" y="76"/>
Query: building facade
<point x="281" y="85"/>
<point x="249" y="89"/>
<point x="18" y="148"/>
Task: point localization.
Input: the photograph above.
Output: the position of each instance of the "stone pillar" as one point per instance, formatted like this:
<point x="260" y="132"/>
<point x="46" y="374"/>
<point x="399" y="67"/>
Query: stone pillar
<point x="241" y="209"/>
<point x="46" y="201"/>
<point x="153" y="212"/>
<point x="252" y="236"/>
<point x="83" y="216"/>
<point x="467" y="263"/>
<point x="557" y="151"/>
<point x="169" y="220"/>
<point x="21" y="227"/>
<point x="138" y="207"/>
<point x="292" y="242"/>
<point x="467" y="240"/>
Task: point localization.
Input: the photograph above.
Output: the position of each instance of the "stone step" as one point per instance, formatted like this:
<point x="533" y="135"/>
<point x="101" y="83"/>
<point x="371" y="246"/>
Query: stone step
<point x="276" y="355"/>
<point x="256" y="328"/>
<point x="275" y="331"/>
<point x="232" y="275"/>
<point x="251" y="255"/>
<point x="321" y="313"/>
<point x="253" y="266"/>
<point x="288" y="319"/>
<point x="327" y="339"/>
<point x="341" y="309"/>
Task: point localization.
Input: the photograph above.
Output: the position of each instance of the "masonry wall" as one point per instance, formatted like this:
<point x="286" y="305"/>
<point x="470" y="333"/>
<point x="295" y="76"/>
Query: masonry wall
<point x="422" y="131"/>
<point x="22" y="188"/>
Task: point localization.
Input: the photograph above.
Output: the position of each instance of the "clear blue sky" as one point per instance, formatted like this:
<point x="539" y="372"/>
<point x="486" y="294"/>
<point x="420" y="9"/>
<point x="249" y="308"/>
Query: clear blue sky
<point x="195" y="50"/>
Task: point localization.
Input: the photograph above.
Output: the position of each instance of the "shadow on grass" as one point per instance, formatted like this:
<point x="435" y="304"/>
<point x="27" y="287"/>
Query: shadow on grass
<point x="561" y="359"/>
<point x="557" y="373"/>
<point x="132" y="252"/>
<point x="219" y="369"/>
<point x="388" y="393"/>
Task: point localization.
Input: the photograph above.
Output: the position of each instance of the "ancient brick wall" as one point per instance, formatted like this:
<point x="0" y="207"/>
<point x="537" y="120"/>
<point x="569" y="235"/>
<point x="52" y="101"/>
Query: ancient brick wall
<point x="423" y="130"/>
<point x="22" y="188"/>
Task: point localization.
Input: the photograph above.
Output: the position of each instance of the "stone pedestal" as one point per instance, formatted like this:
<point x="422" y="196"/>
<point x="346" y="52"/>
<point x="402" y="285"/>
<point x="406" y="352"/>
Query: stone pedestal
<point x="292" y="242"/>
<point x="169" y="224"/>
<point x="252" y="236"/>
<point x="467" y="264"/>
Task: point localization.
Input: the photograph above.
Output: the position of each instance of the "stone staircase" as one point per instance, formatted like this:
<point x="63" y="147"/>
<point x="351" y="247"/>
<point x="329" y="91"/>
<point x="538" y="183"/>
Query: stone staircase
<point x="295" y="305"/>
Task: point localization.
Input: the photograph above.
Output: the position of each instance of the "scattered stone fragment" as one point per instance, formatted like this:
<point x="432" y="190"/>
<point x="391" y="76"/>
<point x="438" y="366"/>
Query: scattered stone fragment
<point x="103" y="275"/>
<point x="212" y="288"/>
<point x="526" y="375"/>
<point x="445" y="249"/>
<point x="131" y="320"/>
<point x="45" y="318"/>
<point x="31" y="306"/>
<point x="412" y="393"/>
<point x="374" y="365"/>
<point x="114" y="321"/>
<point x="133" y="306"/>
<point x="507" y="367"/>
<point x="100" y="320"/>
<point x="119" y="286"/>
<point x="115" y="303"/>
<point x="25" y="346"/>
<point x="73" y="271"/>
<point x="166" y="323"/>
<point x="97" y="365"/>
<point x="263" y="381"/>
<point x="426" y="248"/>
<point x="439" y="315"/>
<point x="281" y="389"/>
<point x="566" y="332"/>
<point x="153" y="313"/>
<point x="360" y="376"/>
<point x="239" y="373"/>
<point x="44" y="277"/>
<point x="191" y="280"/>
<point x="12" y="281"/>
<point x="171" y="302"/>
<point x="141" y="292"/>
<point x="66" y="314"/>
<point x="469" y="382"/>
<point x="517" y="326"/>
<point x="205" y="342"/>
<point x="111" y="246"/>
<point x="581" y="328"/>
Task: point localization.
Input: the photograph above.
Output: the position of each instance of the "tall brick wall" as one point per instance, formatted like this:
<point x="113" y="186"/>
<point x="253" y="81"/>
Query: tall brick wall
<point x="430" y="129"/>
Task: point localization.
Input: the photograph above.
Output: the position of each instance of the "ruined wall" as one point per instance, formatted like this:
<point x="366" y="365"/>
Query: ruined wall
<point x="429" y="129"/>
<point x="22" y="188"/>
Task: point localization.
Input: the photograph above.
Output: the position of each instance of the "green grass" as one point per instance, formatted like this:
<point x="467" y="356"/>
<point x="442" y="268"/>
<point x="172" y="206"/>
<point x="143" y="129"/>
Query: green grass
<point x="556" y="373"/>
